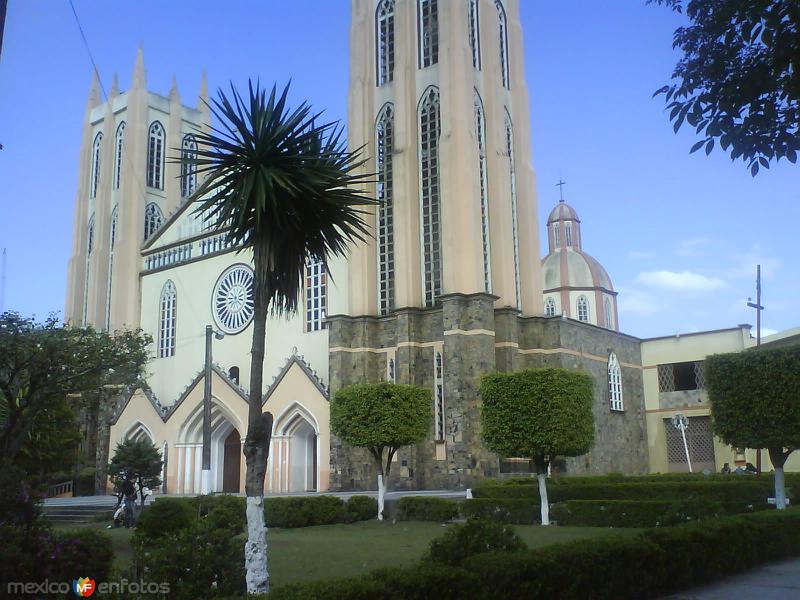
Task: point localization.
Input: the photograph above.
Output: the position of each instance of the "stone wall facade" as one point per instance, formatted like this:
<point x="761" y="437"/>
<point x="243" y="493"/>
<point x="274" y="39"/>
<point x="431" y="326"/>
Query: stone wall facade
<point x="475" y="338"/>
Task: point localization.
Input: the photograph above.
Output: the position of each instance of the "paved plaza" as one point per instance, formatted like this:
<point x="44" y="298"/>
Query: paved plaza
<point x="779" y="581"/>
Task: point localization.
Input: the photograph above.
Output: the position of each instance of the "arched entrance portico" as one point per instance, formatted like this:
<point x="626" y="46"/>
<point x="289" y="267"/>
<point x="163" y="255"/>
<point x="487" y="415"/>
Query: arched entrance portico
<point x="295" y="452"/>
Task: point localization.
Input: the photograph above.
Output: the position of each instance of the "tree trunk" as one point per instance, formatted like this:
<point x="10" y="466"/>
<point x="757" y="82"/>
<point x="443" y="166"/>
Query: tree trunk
<point x="541" y="475"/>
<point x="778" y="458"/>
<point x="256" y="450"/>
<point x="381" y="492"/>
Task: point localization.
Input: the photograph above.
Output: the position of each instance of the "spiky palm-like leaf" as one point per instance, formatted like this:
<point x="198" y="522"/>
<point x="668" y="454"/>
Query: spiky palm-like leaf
<point x="287" y="187"/>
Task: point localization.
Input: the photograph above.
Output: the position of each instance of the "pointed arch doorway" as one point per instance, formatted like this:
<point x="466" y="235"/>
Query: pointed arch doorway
<point x="232" y="463"/>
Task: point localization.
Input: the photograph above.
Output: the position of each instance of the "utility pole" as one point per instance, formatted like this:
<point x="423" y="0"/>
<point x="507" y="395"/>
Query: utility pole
<point x="205" y="480"/>
<point x="757" y="305"/>
<point x="3" y="279"/>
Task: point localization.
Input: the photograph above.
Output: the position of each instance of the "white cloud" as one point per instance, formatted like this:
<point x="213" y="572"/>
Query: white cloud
<point x="693" y="247"/>
<point x="637" y="302"/>
<point x="685" y="281"/>
<point x="745" y="264"/>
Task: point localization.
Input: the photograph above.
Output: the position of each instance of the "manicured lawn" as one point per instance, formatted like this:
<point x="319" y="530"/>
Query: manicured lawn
<point x="329" y="551"/>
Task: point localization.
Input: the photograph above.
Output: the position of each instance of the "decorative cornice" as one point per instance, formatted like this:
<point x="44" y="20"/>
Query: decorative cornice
<point x="299" y="360"/>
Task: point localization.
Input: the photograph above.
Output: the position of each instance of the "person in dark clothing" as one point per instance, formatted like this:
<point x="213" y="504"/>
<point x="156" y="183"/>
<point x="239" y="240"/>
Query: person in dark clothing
<point x="128" y="491"/>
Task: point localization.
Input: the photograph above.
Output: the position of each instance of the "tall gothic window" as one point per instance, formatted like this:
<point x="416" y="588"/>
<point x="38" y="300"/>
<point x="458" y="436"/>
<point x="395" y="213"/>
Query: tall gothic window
<point x="501" y="13"/>
<point x="568" y="233"/>
<point x="152" y="219"/>
<point x="583" y="309"/>
<point x="90" y="236"/>
<point x="480" y="133"/>
<point x="438" y="408"/>
<point x="428" y="25"/>
<point x="155" y="156"/>
<point x="167" y="320"/>
<point x="96" y="146"/>
<point x="384" y="147"/>
<point x="614" y="383"/>
<point x="89" y="248"/>
<point x="112" y="240"/>
<point x="429" y="131"/>
<point x="119" y="140"/>
<point x="556" y="235"/>
<point x="188" y="168"/>
<point x="474" y="34"/>
<point x="514" y="217"/>
<point x="384" y="44"/>
<point x="550" y="307"/>
<point x="609" y="315"/>
<point x="316" y="295"/>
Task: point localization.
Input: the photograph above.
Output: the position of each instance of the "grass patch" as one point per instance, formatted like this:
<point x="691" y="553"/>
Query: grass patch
<point x="328" y="551"/>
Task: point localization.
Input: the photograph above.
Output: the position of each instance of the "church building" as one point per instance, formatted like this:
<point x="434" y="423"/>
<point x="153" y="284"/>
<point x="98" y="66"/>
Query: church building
<point x="450" y="287"/>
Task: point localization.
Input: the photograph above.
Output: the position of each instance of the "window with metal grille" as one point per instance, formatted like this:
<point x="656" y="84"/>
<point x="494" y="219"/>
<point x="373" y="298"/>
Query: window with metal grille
<point x="96" y="147"/>
<point x="480" y="133"/>
<point x="384" y="27"/>
<point x="168" y="320"/>
<point x="89" y="248"/>
<point x="438" y="389"/>
<point x="385" y="189"/>
<point x="119" y="141"/>
<point x="699" y="440"/>
<point x="188" y="168"/>
<point x="474" y="34"/>
<point x="614" y="383"/>
<point x="684" y="376"/>
<point x="155" y="156"/>
<point x="316" y="295"/>
<point x="550" y="307"/>
<point x="111" y="242"/>
<point x="501" y="14"/>
<point x="583" y="308"/>
<point x="514" y="216"/>
<point x="429" y="131"/>
<point x="428" y="25"/>
<point x="152" y="219"/>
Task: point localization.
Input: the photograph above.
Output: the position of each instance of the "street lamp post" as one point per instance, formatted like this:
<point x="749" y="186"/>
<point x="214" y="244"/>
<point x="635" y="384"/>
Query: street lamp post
<point x="205" y="481"/>
<point x="758" y="306"/>
<point x="681" y="423"/>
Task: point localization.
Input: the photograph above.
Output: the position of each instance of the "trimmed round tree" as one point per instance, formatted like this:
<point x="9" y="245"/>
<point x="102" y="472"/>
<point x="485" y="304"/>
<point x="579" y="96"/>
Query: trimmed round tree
<point x="755" y="403"/>
<point x="538" y="414"/>
<point x="139" y="460"/>
<point x="381" y="417"/>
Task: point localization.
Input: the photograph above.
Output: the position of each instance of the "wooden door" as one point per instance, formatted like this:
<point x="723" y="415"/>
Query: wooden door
<point x="232" y="462"/>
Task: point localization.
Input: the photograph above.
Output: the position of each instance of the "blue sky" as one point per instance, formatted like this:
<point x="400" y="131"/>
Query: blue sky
<point x="679" y="234"/>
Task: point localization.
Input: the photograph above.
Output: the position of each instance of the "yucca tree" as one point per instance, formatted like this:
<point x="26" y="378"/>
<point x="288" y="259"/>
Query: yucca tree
<point x="287" y="189"/>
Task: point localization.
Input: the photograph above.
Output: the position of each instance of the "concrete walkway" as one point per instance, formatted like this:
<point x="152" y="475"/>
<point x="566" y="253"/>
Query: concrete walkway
<point x="778" y="581"/>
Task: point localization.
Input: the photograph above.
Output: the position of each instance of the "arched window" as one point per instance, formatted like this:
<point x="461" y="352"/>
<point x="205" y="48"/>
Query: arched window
<point x="384" y="44"/>
<point x="550" y="307"/>
<point x="614" y="383"/>
<point x="233" y="375"/>
<point x="188" y="168"/>
<point x="583" y="309"/>
<point x="112" y="240"/>
<point x="609" y="314"/>
<point x="152" y="219"/>
<point x="480" y="134"/>
<point x="168" y="320"/>
<point x="155" y="156"/>
<point x="390" y="371"/>
<point x="514" y="217"/>
<point x="474" y="34"/>
<point x="98" y="140"/>
<point x="501" y="13"/>
<point x="429" y="132"/>
<point x="119" y="140"/>
<point x="90" y="235"/>
<point x="556" y="235"/>
<point x="438" y="400"/>
<point x="428" y="26"/>
<point x="568" y="233"/>
<point x="385" y="188"/>
<point x="316" y="295"/>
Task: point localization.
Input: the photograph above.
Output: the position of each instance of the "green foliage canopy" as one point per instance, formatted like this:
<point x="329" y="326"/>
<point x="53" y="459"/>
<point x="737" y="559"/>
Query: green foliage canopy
<point x="738" y="81"/>
<point x="140" y="460"/>
<point x="755" y="398"/>
<point x="538" y="413"/>
<point x="380" y="416"/>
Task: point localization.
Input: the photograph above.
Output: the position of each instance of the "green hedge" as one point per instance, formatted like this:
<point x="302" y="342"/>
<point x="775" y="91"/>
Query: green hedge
<point x="304" y="511"/>
<point x="425" y="508"/>
<point x="791" y="478"/>
<point x="749" y="491"/>
<point x="646" y="513"/>
<point x="521" y="511"/>
<point x="77" y="553"/>
<point x="650" y="565"/>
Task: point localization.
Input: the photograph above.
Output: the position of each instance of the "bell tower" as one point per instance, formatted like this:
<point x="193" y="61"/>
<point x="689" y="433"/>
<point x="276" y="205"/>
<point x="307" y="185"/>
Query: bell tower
<point x="439" y="102"/>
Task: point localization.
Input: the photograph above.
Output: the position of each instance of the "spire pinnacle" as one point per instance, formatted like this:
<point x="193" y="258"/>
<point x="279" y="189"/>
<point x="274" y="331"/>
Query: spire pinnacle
<point x="203" y="90"/>
<point x="138" y="70"/>
<point x="94" y="91"/>
<point x="173" y="92"/>
<point x="114" y="86"/>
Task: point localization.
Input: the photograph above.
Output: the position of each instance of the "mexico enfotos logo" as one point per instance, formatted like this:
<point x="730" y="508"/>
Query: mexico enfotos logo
<point x="84" y="587"/>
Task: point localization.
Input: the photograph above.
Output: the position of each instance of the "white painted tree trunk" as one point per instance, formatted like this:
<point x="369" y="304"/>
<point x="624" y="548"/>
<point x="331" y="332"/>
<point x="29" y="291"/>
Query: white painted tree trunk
<point x="780" y="490"/>
<point x="543" y="498"/>
<point x="381" y="492"/>
<point x="255" y="550"/>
